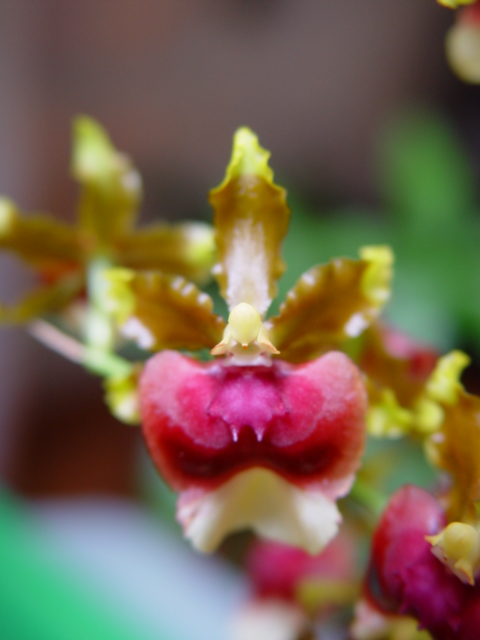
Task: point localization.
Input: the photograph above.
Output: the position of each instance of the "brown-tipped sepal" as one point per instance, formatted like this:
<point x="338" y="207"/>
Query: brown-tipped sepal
<point x="331" y="303"/>
<point x="186" y="249"/>
<point x="47" y="244"/>
<point x="251" y="219"/>
<point x="162" y="312"/>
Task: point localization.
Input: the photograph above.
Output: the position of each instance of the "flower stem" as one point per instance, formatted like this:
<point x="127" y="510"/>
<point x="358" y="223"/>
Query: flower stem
<point x="369" y="497"/>
<point x="102" y="363"/>
<point x="99" y="332"/>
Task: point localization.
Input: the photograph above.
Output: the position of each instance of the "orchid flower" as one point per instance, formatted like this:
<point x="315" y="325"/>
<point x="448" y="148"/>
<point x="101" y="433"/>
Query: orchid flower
<point x="69" y="258"/>
<point x="425" y="558"/>
<point x="264" y="436"/>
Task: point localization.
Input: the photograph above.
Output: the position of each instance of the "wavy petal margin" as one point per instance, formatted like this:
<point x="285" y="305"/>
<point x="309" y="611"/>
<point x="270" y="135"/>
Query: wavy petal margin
<point x="162" y="312"/>
<point x="251" y="219"/>
<point x="331" y="303"/>
<point x="455" y="446"/>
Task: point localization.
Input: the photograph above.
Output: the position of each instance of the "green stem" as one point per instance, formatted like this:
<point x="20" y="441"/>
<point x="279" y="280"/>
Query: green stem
<point x="99" y="332"/>
<point x="369" y="497"/>
<point x="102" y="363"/>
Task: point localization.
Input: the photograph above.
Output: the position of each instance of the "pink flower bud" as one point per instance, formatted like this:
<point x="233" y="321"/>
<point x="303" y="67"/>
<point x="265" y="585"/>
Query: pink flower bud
<point x="277" y="570"/>
<point x="405" y="577"/>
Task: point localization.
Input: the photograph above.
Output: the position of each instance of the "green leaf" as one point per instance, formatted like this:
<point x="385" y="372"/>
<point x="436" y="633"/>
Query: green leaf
<point x="424" y="171"/>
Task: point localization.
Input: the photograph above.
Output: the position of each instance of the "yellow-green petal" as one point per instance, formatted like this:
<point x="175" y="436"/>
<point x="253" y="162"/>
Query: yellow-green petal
<point x="462" y="48"/>
<point x="163" y="312"/>
<point x="186" y="249"/>
<point x="316" y="594"/>
<point x="455" y="4"/>
<point x="111" y="186"/>
<point x="386" y="418"/>
<point x="251" y="219"/>
<point x="455" y="445"/>
<point x="331" y="303"/>
<point x="41" y="240"/>
<point x="121" y="396"/>
<point x="397" y="369"/>
<point x="444" y="384"/>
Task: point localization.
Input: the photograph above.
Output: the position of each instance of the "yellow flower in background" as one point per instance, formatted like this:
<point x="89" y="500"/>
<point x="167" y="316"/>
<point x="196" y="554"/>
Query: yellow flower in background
<point x="454" y="446"/>
<point x="455" y="4"/>
<point x="68" y="257"/>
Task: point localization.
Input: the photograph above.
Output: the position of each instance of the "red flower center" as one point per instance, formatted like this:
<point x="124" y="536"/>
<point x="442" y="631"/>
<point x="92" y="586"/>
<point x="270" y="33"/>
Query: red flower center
<point x="209" y="421"/>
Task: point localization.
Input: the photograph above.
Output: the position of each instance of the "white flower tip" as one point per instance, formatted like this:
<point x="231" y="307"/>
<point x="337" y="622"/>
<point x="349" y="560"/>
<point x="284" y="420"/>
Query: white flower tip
<point x="263" y="501"/>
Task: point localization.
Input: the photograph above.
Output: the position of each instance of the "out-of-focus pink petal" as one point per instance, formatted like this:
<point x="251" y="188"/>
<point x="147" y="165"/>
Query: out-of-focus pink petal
<point x="277" y="569"/>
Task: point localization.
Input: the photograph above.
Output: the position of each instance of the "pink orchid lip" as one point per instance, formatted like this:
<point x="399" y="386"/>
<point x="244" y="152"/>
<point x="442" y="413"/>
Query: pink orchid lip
<point x="204" y="422"/>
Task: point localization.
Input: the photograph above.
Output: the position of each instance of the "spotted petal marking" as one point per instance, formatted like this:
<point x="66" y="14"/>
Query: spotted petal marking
<point x="455" y="447"/>
<point x="160" y="312"/>
<point x="331" y="303"/>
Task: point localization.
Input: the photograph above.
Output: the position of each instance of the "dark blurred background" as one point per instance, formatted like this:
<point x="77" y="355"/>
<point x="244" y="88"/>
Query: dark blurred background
<point x="171" y="80"/>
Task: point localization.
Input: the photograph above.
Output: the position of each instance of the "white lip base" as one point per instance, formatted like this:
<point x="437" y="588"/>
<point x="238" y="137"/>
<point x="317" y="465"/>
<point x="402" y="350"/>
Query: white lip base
<point x="260" y="500"/>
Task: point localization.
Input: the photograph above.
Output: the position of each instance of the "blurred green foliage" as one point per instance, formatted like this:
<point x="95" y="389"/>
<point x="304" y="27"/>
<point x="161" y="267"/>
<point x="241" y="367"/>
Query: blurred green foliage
<point x="41" y="599"/>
